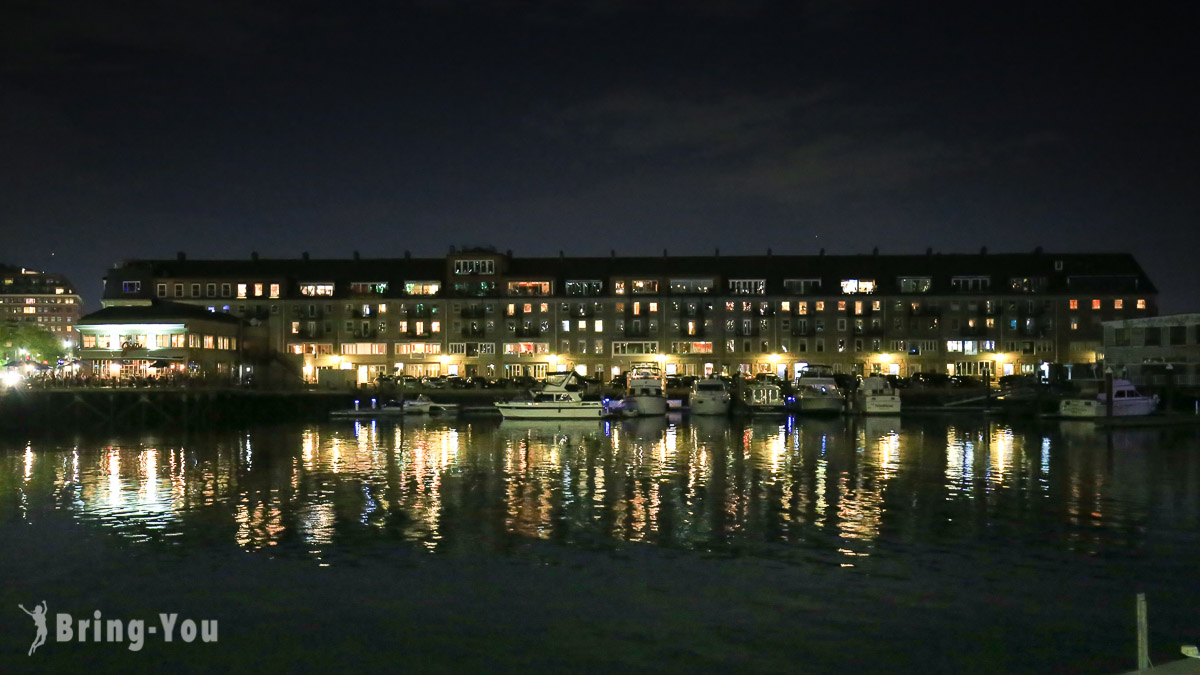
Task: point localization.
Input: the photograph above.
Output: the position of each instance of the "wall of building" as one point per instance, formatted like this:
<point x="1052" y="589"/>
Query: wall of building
<point x="481" y="313"/>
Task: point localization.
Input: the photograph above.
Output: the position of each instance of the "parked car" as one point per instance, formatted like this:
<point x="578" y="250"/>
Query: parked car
<point x="967" y="382"/>
<point x="435" y="382"/>
<point x="930" y="379"/>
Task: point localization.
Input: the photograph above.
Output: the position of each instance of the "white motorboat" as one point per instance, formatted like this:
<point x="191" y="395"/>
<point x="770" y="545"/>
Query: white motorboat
<point x="817" y="392"/>
<point x="1127" y="401"/>
<point x="645" y="392"/>
<point x="763" y="397"/>
<point x="420" y="405"/>
<point x="709" y="397"/>
<point x="877" y="396"/>
<point x="560" y="398"/>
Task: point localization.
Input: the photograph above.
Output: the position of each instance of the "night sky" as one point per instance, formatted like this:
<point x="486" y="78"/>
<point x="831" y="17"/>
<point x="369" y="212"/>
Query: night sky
<point x="138" y="129"/>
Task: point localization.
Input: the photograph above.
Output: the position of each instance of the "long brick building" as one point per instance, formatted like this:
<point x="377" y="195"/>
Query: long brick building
<point x="487" y="312"/>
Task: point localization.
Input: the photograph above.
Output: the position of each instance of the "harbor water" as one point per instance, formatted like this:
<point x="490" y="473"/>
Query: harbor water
<point x="844" y="545"/>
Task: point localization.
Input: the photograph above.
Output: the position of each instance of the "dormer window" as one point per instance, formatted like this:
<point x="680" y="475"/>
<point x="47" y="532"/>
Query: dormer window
<point x="853" y="286"/>
<point x="748" y="286"/>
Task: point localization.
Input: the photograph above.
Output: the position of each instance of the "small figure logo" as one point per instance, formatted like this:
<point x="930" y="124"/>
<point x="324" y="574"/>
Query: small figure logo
<point x="39" y="619"/>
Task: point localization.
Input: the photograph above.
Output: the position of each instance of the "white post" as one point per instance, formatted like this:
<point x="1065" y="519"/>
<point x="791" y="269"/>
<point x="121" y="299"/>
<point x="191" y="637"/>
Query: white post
<point x="1143" y="647"/>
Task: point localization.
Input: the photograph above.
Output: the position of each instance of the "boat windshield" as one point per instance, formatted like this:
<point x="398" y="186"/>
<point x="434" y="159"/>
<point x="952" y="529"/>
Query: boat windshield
<point x="557" y="379"/>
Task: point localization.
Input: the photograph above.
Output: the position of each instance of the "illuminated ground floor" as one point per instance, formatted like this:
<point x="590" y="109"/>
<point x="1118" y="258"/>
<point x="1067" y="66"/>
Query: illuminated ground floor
<point x="366" y="369"/>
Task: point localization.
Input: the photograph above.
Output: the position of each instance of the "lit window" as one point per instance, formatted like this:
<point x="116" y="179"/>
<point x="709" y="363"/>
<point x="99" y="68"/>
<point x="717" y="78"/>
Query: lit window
<point x="785" y="306"/>
<point x="274" y="290"/>
<point x="241" y="291"/>
<point x="435" y="326"/>
<point x="802" y="308"/>
<point x="1141" y="303"/>
<point x="841" y="305"/>
<point x="850" y="286"/>
<point x="619" y="287"/>
<point x="599" y="325"/>
<point x="1074" y="323"/>
<point x="820" y="305"/>
<point x="1118" y="304"/>
<point x="1073" y="304"/>
<point x="654" y="307"/>
<point x="258" y="290"/>
<point x="1096" y="303"/>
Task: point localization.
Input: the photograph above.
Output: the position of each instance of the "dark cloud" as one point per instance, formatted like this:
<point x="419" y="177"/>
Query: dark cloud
<point x="143" y="128"/>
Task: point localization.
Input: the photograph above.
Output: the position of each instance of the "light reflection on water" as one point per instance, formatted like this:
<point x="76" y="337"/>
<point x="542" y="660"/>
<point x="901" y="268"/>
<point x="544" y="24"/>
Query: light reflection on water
<point x="828" y="490"/>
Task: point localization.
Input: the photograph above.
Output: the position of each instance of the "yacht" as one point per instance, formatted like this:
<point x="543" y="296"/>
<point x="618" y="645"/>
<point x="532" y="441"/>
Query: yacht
<point x="645" y="392"/>
<point x="876" y="396"/>
<point x="559" y="398"/>
<point x="1127" y="402"/>
<point x="763" y="396"/>
<point x="709" y="397"/>
<point x="817" y="392"/>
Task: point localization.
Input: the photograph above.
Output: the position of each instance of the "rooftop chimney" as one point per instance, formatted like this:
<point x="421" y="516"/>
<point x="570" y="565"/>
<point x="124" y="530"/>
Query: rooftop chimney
<point x="983" y="251"/>
<point x="304" y="256"/>
<point x="356" y="256"/>
<point x="451" y="249"/>
<point x="407" y="254"/>
<point x="664" y="252"/>
<point x="181" y="256"/>
<point x="254" y="256"/>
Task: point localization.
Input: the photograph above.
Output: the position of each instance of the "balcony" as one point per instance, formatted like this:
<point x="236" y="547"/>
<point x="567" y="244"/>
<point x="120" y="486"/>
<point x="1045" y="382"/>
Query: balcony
<point x="528" y="332"/>
<point x="474" y="332"/>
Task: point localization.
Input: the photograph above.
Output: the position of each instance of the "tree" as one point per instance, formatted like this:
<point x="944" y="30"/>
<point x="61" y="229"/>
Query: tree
<point x="39" y="344"/>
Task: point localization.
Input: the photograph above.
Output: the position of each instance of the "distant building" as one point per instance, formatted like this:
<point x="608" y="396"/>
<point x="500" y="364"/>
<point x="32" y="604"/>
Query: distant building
<point x="484" y="312"/>
<point x="1142" y="349"/>
<point x="159" y="338"/>
<point x="42" y="299"/>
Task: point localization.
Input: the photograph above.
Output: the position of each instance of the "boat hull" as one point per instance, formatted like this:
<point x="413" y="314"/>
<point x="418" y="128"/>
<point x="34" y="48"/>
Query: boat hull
<point x="1088" y="407"/>
<point x="550" y="411"/>
<point x="708" y="405"/>
<point x="820" y="405"/>
<point x="646" y="406"/>
<point x="885" y="404"/>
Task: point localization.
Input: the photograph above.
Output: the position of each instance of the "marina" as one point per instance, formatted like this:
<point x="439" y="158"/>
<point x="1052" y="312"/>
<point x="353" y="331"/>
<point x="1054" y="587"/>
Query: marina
<point x="899" y="537"/>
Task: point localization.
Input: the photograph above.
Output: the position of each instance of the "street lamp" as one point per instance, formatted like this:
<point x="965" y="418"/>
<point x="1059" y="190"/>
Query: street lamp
<point x="552" y="363"/>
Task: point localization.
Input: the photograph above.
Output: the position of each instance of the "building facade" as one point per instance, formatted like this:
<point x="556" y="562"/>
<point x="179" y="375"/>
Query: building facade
<point x="41" y="299"/>
<point x="1143" y="349"/>
<point x="160" y="339"/>
<point x="488" y="313"/>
